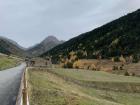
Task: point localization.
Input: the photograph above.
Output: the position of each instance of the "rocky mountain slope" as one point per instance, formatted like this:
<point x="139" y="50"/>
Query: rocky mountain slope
<point x="47" y="44"/>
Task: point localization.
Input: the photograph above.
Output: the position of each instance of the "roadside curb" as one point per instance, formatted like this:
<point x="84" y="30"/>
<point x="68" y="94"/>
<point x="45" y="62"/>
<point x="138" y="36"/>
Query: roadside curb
<point x="22" y="98"/>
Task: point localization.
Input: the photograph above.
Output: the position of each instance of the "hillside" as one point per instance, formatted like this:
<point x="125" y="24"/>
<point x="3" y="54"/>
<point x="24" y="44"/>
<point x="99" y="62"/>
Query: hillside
<point x="119" y="37"/>
<point x="8" y="46"/>
<point x="47" y="44"/>
<point x="7" y="62"/>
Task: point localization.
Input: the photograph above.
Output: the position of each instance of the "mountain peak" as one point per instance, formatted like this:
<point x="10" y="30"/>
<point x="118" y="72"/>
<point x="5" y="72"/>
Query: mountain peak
<point x="50" y="39"/>
<point x="47" y="44"/>
<point x="51" y="36"/>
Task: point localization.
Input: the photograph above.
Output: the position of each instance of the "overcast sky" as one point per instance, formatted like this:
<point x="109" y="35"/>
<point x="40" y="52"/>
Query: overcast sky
<point x="30" y="21"/>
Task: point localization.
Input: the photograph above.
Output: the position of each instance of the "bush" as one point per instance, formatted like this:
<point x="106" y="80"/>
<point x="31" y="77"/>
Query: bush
<point x="86" y="67"/>
<point x="115" y="68"/>
<point x="76" y="64"/>
<point x="98" y="69"/>
<point x="122" y="59"/>
<point x="133" y="74"/>
<point x="92" y="67"/>
<point x="122" y="67"/>
<point x="76" y="67"/>
<point x="135" y="59"/>
<point x="116" y="59"/>
<point x="69" y="65"/>
<point x="126" y="73"/>
<point x="62" y="65"/>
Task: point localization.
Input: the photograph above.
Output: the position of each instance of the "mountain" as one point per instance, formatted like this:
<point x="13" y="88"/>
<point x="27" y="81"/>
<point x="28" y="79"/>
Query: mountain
<point x="47" y="44"/>
<point x="8" y="46"/>
<point x="119" y="37"/>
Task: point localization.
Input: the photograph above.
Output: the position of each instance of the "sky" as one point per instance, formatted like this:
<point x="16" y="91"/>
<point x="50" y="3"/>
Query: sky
<point x="30" y="21"/>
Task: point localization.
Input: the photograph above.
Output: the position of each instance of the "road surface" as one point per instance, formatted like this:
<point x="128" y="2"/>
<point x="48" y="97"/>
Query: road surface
<point x="9" y="84"/>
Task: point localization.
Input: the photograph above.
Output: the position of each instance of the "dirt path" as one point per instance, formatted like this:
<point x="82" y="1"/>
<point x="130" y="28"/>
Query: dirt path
<point x="70" y="87"/>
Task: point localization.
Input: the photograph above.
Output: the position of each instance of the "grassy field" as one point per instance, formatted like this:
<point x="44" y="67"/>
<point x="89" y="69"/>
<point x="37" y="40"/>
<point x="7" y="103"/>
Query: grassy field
<point x="95" y="76"/>
<point x="48" y="89"/>
<point x="7" y="62"/>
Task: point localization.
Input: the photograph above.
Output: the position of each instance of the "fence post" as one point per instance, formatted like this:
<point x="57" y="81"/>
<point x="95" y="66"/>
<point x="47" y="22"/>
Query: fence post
<point x="22" y="98"/>
<point x="25" y="91"/>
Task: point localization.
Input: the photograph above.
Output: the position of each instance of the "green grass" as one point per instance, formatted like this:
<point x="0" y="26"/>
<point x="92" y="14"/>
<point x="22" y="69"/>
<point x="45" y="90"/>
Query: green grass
<point x="118" y="97"/>
<point x="7" y="62"/>
<point x="46" y="92"/>
<point x="96" y="76"/>
<point x="48" y="89"/>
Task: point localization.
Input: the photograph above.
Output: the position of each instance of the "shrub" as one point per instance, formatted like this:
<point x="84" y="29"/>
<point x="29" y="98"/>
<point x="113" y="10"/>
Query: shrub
<point x="76" y="64"/>
<point x="92" y="67"/>
<point x="115" y="68"/>
<point x="69" y="65"/>
<point x="122" y="67"/>
<point x="135" y="59"/>
<point x="98" y="69"/>
<point x="116" y="59"/>
<point x="133" y="74"/>
<point x="76" y="67"/>
<point x="126" y="73"/>
<point x="122" y="59"/>
<point x="86" y="67"/>
<point x="62" y="65"/>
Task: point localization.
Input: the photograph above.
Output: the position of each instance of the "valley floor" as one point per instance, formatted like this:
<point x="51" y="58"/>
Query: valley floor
<point x="46" y="88"/>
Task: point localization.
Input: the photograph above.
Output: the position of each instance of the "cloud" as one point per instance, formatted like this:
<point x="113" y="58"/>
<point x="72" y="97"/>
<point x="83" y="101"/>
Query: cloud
<point x="30" y="21"/>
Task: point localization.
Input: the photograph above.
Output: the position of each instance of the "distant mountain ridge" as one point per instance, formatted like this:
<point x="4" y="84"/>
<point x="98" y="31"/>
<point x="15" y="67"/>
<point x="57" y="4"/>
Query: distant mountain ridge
<point x="11" y="41"/>
<point x="8" y="46"/>
<point x="47" y="44"/>
<point x="119" y="37"/>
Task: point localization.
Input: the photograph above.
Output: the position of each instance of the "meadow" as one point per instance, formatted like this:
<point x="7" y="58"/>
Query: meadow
<point x="47" y="88"/>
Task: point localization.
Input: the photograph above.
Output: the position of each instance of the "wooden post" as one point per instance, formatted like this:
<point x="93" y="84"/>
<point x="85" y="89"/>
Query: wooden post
<point x="25" y="90"/>
<point x="25" y="93"/>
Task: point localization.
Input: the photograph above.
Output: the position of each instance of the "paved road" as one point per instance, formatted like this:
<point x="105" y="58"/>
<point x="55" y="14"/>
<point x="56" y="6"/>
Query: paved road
<point x="9" y="84"/>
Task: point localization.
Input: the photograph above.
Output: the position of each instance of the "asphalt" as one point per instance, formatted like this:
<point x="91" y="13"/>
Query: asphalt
<point x="10" y="83"/>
